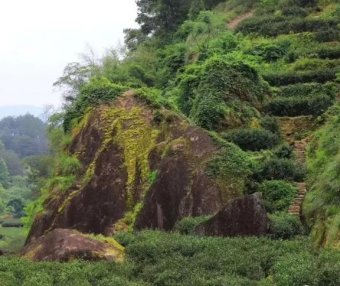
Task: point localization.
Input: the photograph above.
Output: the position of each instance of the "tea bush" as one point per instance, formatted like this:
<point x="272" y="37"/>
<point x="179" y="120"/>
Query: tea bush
<point x="286" y="78"/>
<point x="279" y="169"/>
<point x="297" y="106"/>
<point x="252" y="139"/>
<point x="278" y="195"/>
<point x="285" y="226"/>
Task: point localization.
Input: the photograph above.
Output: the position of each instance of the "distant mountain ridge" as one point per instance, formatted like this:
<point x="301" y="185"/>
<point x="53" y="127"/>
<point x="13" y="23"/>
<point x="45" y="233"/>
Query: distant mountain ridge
<point x="17" y="110"/>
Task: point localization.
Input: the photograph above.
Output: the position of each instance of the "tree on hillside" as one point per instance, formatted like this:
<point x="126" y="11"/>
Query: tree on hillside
<point x="161" y="16"/>
<point x="25" y="135"/>
<point x="4" y="174"/>
<point x="75" y="75"/>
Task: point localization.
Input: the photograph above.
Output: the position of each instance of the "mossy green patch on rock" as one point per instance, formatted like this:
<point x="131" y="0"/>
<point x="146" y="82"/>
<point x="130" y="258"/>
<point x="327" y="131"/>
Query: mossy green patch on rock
<point x="131" y="131"/>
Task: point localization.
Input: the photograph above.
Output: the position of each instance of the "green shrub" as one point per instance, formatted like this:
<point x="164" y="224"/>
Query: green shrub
<point x="329" y="268"/>
<point x="271" y="124"/>
<point x="294" y="11"/>
<point x="296" y="269"/>
<point x="269" y="52"/>
<point x="297" y="106"/>
<point x="285" y="78"/>
<point x="279" y="169"/>
<point x="277" y="194"/>
<point x="284" y="151"/>
<point x="252" y="139"/>
<point x="97" y="91"/>
<point x="328" y="53"/>
<point x="285" y="226"/>
<point x="321" y="206"/>
<point x="327" y="35"/>
<point x="188" y="224"/>
<point x="231" y="168"/>
<point x="308" y="90"/>
<point x="218" y="89"/>
<point x="277" y="25"/>
<point x="67" y="165"/>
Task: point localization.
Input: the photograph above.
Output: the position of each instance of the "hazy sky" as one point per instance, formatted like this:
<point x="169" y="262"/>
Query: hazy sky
<point x="39" y="37"/>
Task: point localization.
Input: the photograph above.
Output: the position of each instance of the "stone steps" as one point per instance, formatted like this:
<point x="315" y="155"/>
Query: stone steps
<point x="300" y="152"/>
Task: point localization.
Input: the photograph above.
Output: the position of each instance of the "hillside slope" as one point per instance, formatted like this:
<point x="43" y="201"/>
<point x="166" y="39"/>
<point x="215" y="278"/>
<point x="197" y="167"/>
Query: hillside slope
<point x="264" y="84"/>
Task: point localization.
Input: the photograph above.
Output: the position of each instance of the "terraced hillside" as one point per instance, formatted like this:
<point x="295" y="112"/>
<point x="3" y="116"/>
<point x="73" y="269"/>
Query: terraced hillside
<point x="213" y="103"/>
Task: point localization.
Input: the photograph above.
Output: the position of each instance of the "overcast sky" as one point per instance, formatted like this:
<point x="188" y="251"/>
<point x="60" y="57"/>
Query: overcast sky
<point x="39" y="37"/>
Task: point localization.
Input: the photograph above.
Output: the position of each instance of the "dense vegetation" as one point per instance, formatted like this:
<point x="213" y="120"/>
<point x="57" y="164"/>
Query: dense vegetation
<point x="156" y="258"/>
<point x="24" y="163"/>
<point x="238" y="83"/>
<point x="235" y="83"/>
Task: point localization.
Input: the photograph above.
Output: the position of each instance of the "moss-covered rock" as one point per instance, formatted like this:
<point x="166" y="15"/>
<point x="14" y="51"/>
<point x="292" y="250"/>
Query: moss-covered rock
<point x="65" y="245"/>
<point x="141" y="168"/>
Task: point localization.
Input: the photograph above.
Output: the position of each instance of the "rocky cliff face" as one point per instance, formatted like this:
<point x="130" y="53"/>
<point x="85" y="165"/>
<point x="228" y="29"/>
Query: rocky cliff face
<point x="142" y="167"/>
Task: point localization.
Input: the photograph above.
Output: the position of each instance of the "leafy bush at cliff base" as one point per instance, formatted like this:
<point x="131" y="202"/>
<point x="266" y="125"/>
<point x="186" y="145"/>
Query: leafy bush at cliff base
<point x="284" y="225"/>
<point x="208" y="90"/>
<point x="188" y="224"/>
<point x="279" y="169"/>
<point x="252" y="139"/>
<point x="277" y="194"/>
<point x="231" y="168"/>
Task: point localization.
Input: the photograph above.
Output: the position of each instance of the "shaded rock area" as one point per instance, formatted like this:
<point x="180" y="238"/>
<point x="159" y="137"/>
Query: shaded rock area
<point x="142" y="168"/>
<point x="241" y="217"/>
<point x="65" y="245"/>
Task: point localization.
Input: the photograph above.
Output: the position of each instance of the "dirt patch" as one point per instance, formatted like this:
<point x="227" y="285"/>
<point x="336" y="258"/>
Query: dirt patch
<point x="232" y="25"/>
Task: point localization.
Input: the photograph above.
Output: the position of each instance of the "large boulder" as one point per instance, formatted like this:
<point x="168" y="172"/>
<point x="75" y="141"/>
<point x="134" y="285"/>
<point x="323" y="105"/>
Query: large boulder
<point x="65" y="245"/>
<point x="143" y="167"/>
<point x="241" y="217"/>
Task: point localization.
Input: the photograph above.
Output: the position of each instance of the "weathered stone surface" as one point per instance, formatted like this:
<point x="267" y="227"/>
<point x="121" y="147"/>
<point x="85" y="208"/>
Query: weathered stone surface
<point x="142" y="168"/>
<point x="65" y="245"/>
<point x="241" y="217"/>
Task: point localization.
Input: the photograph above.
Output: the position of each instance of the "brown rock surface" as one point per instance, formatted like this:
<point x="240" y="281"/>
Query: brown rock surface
<point x="241" y="217"/>
<point x="65" y="245"/>
<point x="142" y="168"/>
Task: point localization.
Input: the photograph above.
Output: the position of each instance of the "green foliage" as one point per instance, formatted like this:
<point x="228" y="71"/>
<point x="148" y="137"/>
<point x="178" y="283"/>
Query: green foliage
<point x="97" y="91"/>
<point x="297" y="106"/>
<point x="308" y="90"/>
<point x="285" y="226"/>
<point x="322" y="203"/>
<point x="252" y="139"/>
<point x="210" y="92"/>
<point x="277" y="194"/>
<point x="67" y="165"/>
<point x="277" y="25"/>
<point x="25" y="135"/>
<point x="153" y="177"/>
<point x="231" y="169"/>
<point x="279" y="169"/>
<point x="271" y="124"/>
<point x="4" y="174"/>
<point x="296" y="269"/>
<point x="269" y="52"/>
<point x="285" y="78"/>
<point x="284" y="151"/>
<point x="188" y="224"/>
<point x="12" y="239"/>
<point x="156" y="258"/>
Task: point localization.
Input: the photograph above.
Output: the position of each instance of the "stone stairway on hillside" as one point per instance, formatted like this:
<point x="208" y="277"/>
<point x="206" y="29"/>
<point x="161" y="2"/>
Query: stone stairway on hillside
<point x="296" y="206"/>
<point x="300" y="147"/>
